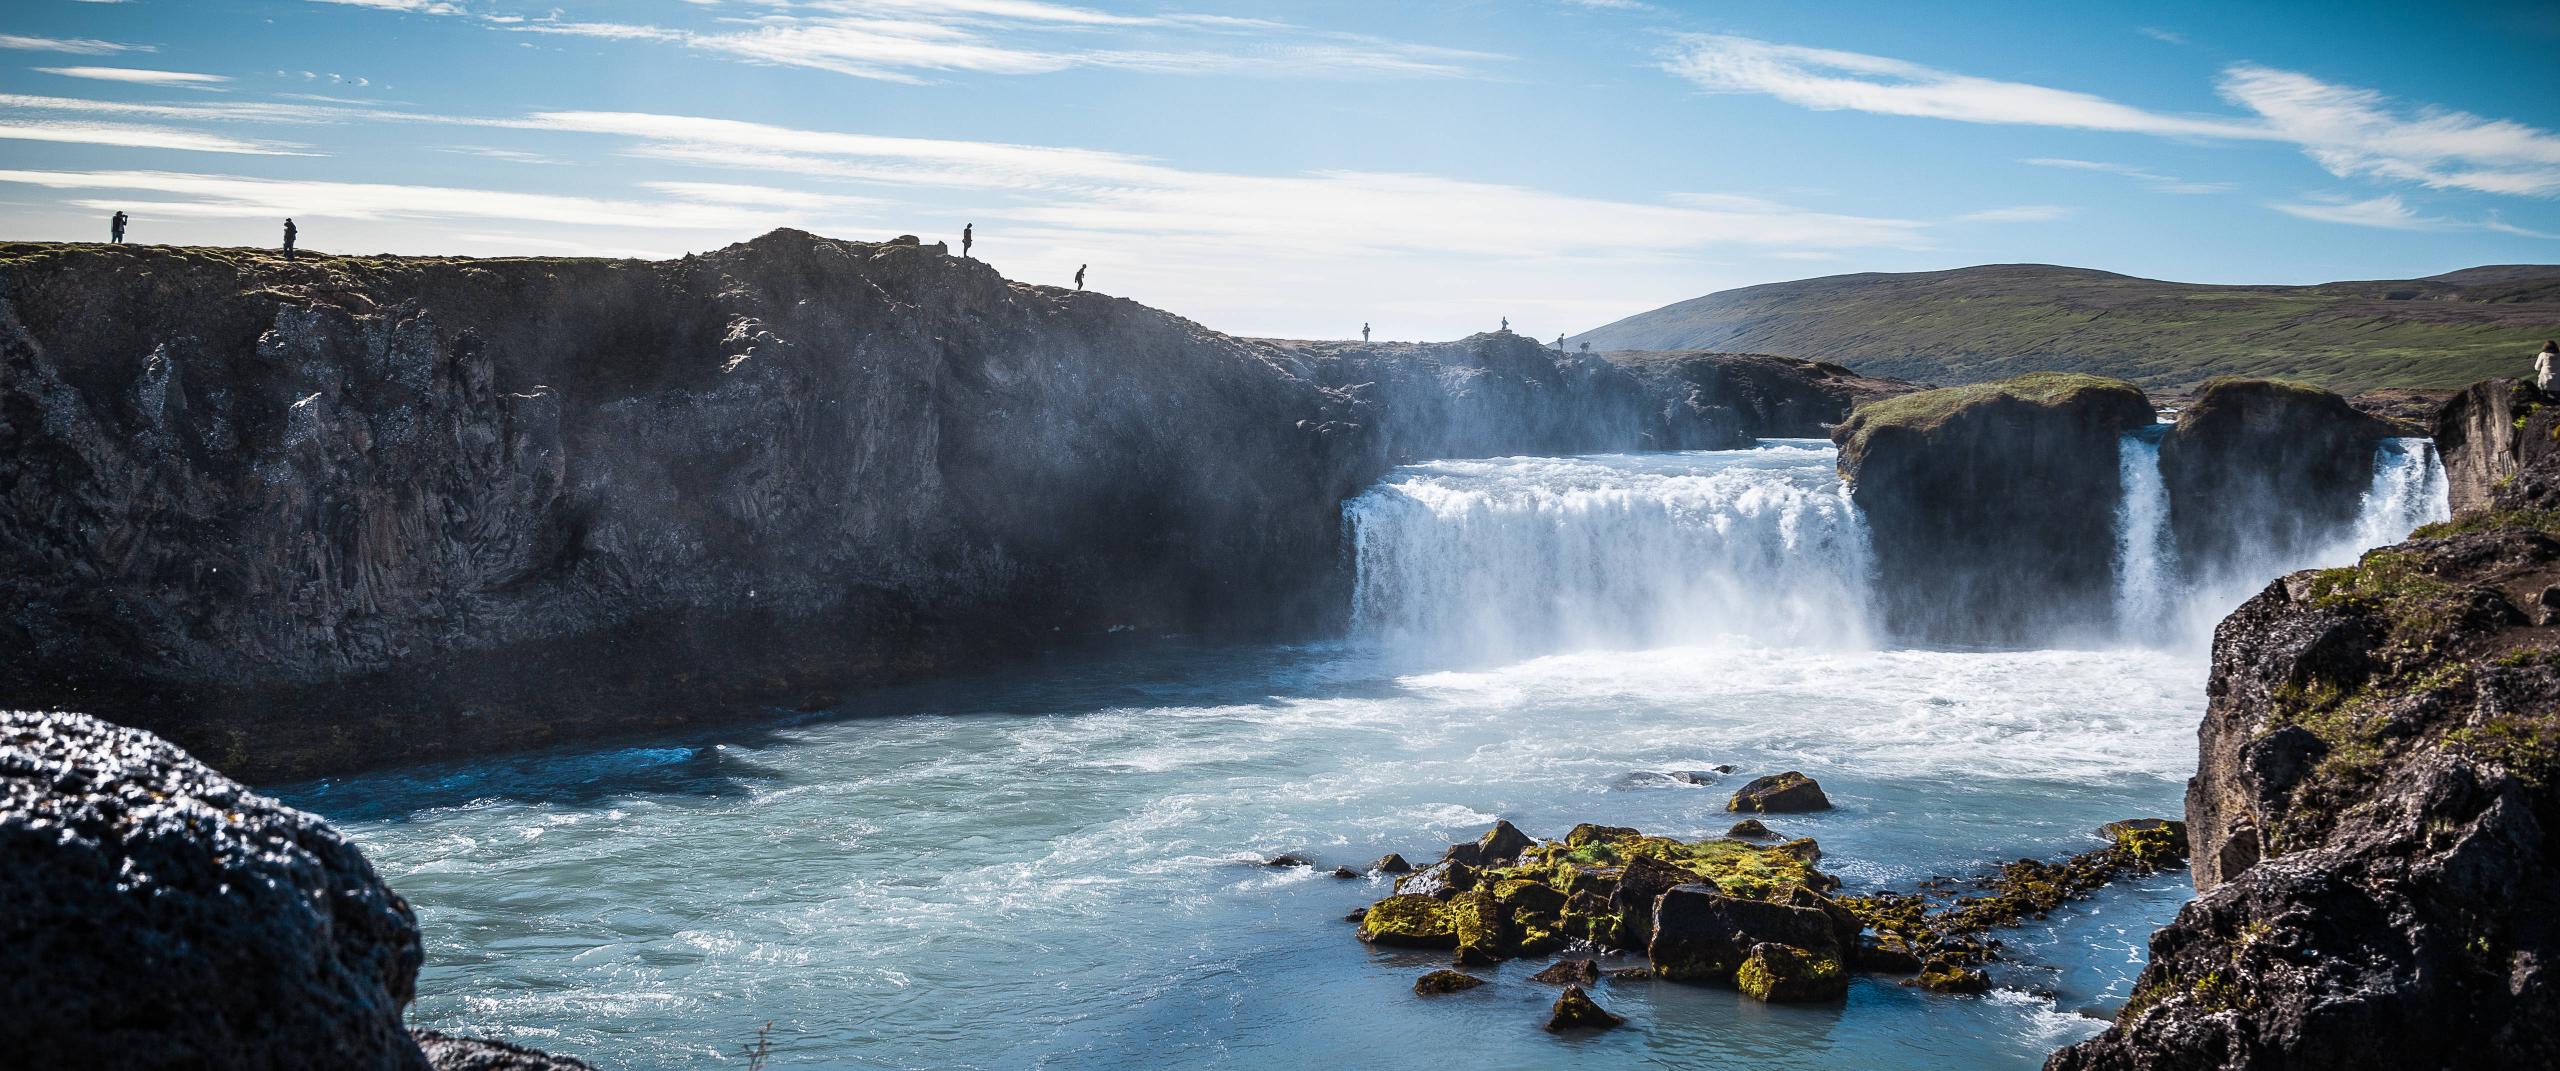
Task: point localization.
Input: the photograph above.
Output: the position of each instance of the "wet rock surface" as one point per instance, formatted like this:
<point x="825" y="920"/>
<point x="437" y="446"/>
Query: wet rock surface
<point x="290" y="514"/>
<point x="1785" y="793"/>
<point x="1440" y="982"/>
<point x="448" y="1053"/>
<point x="2374" y="804"/>
<point x="156" y="914"/>
<point x="1575" y="1010"/>
<point x="1991" y="507"/>
<point x="2258" y="468"/>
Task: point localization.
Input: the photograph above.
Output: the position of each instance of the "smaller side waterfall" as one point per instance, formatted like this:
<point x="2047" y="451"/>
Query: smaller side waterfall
<point x="2408" y="490"/>
<point x="2146" y="551"/>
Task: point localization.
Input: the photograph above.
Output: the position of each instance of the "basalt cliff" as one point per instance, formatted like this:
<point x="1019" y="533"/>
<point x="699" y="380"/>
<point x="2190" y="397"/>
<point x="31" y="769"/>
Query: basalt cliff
<point x="2374" y="808"/>
<point x="307" y="516"/>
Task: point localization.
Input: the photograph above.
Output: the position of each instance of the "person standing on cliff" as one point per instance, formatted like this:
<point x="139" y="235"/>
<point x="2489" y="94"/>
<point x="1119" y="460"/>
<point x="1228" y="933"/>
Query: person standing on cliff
<point x="115" y="230"/>
<point x="2543" y="364"/>
<point x="1364" y="332"/>
<point x="1080" y="275"/>
<point x="1559" y="342"/>
<point x="289" y="232"/>
<point x="968" y="234"/>
<point x="1506" y="325"/>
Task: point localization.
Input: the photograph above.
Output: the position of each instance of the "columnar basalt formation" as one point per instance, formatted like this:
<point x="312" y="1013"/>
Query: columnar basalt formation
<point x="1992" y="507"/>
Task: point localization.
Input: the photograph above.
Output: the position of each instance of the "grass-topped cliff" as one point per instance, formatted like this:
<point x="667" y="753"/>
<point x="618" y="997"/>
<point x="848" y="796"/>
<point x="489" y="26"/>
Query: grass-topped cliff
<point x="1993" y="321"/>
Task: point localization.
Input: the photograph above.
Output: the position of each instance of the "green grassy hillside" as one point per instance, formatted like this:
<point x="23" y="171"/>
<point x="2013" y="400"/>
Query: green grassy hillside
<point x="1995" y="321"/>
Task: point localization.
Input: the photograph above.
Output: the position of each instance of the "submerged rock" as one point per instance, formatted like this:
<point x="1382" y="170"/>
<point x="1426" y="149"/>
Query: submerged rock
<point x="1445" y="981"/>
<point x="1749" y="829"/>
<point x="1945" y="977"/>
<point x="1346" y="873"/>
<point x="1991" y="507"/>
<point x="1789" y="792"/>
<point x="1780" y="974"/>
<point x="1569" y="972"/>
<point x="1575" y="1010"/>
<point x="1391" y="863"/>
<point x="1285" y="861"/>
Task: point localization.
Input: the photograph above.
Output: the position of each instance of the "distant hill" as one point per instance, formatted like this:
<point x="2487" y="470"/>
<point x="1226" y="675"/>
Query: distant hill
<point x="1998" y="320"/>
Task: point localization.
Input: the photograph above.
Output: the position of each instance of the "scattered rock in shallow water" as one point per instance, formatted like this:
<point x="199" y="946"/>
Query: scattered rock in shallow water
<point x="1346" y="873"/>
<point x="1504" y="843"/>
<point x="154" y="913"/>
<point x="446" y="1052"/>
<point x="1569" y="972"/>
<point x="1784" y="974"/>
<point x="1391" y="863"/>
<point x="1575" y="1010"/>
<point x="1702" y="935"/>
<point x="1445" y="981"/>
<point x="1888" y="953"/>
<point x="1786" y="793"/>
<point x="1694" y="777"/>
<point x="1287" y="861"/>
<point x="1361" y="915"/>
<point x="1587" y="834"/>
<point x="1947" y="977"/>
<point x="1750" y="829"/>
<point x="1630" y="974"/>
<point x="1443" y="879"/>
<point x="1409" y="920"/>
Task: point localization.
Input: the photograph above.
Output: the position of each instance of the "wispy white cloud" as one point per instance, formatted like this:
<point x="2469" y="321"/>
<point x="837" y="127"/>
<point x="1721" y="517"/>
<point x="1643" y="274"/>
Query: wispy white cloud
<point x="2387" y="211"/>
<point x="137" y="75"/>
<point x="423" y="7"/>
<point x="76" y="46"/>
<point x="2157" y="181"/>
<point x="2163" y="36"/>
<point x="2018" y="214"/>
<point x="2359" y="132"/>
<point x="138" y="136"/>
<point x="1832" y="80"/>
<point x="703" y="207"/>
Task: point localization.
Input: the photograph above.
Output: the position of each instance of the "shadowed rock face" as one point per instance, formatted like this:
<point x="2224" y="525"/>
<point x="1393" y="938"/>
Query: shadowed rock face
<point x="2372" y="816"/>
<point x="1992" y="507"/>
<point x="1769" y="397"/>
<point x="154" y="914"/>
<point x="2258" y="469"/>
<point x="309" y="517"/>
<point x="2489" y="433"/>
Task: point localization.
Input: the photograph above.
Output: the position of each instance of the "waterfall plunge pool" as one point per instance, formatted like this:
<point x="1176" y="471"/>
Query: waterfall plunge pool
<point x="1057" y="867"/>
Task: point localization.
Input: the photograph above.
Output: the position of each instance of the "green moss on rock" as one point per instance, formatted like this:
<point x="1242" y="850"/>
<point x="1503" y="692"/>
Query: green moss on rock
<point x="1786" y="974"/>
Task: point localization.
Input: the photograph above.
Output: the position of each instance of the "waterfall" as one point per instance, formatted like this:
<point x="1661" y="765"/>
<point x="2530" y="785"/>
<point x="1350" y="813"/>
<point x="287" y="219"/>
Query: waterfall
<point x="1512" y="557"/>
<point x="2146" y="552"/>
<point x="2408" y="490"/>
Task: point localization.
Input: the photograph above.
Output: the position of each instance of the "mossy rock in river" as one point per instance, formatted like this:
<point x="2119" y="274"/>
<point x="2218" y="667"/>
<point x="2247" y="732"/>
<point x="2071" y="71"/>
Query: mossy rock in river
<point x="1410" y="920"/>
<point x="1783" y="974"/>
<point x="1785" y="793"/>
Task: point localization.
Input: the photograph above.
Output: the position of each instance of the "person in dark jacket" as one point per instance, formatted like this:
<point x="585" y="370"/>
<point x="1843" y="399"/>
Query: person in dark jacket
<point x="115" y="229"/>
<point x="289" y="232"/>
<point x="968" y="234"/>
<point x="1080" y="276"/>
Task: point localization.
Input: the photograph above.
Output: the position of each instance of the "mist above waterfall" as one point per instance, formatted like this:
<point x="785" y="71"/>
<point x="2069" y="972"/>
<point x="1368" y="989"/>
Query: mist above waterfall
<point x="1507" y="558"/>
<point x="1511" y="557"/>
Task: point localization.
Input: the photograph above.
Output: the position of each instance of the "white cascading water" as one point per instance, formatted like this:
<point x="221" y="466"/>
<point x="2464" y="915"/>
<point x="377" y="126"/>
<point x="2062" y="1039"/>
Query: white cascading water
<point x="1510" y="557"/>
<point x="2408" y="490"/>
<point x="2146" y="552"/>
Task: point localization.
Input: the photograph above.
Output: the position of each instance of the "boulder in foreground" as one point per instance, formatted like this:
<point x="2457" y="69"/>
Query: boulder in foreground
<point x="1785" y="793"/>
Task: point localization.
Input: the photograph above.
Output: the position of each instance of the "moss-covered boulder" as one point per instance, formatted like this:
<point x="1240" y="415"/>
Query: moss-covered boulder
<point x="1442" y="982"/>
<point x="1991" y="507"/>
<point x="1411" y="921"/>
<point x="1946" y="977"/>
<point x="1784" y="793"/>
<point x="1575" y="1010"/>
<point x="1703" y="935"/>
<point x="1574" y="971"/>
<point x="1783" y="974"/>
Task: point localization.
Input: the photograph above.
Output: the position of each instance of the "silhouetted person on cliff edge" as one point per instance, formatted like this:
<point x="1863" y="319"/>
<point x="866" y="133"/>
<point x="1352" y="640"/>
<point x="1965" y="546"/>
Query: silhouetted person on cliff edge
<point x="289" y="232"/>
<point x="2543" y="364"/>
<point x="115" y="230"/>
<point x="968" y="234"/>
<point x="1506" y="324"/>
<point x="1364" y="332"/>
<point x="1080" y="275"/>
<point x="1559" y="342"/>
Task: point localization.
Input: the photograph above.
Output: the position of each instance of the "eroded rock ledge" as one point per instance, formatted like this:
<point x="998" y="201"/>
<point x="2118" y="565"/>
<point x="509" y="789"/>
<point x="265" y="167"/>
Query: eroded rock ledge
<point x="2375" y="802"/>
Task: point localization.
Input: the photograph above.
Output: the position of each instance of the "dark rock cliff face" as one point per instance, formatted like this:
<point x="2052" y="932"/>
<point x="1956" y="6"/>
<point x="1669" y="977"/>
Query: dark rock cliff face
<point x="315" y="516"/>
<point x="155" y="914"/>
<point x="2489" y="433"/>
<point x="1992" y="506"/>
<point x="1769" y="397"/>
<point x="2373" y="815"/>
<point x="2258" y="469"/>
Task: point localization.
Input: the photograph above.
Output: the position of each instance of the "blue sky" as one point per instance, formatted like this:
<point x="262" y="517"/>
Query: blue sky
<point x="1296" y="169"/>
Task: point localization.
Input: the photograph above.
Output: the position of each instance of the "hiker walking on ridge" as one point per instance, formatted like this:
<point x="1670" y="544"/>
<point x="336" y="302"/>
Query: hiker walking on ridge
<point x="1080" y="275"/>
<point x="115" y="229"/>
<point x="289" y="231"/>
<point x="1364" y="332"/>
<point x="2543" y="364"/>
<point x="968" y="234"/>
